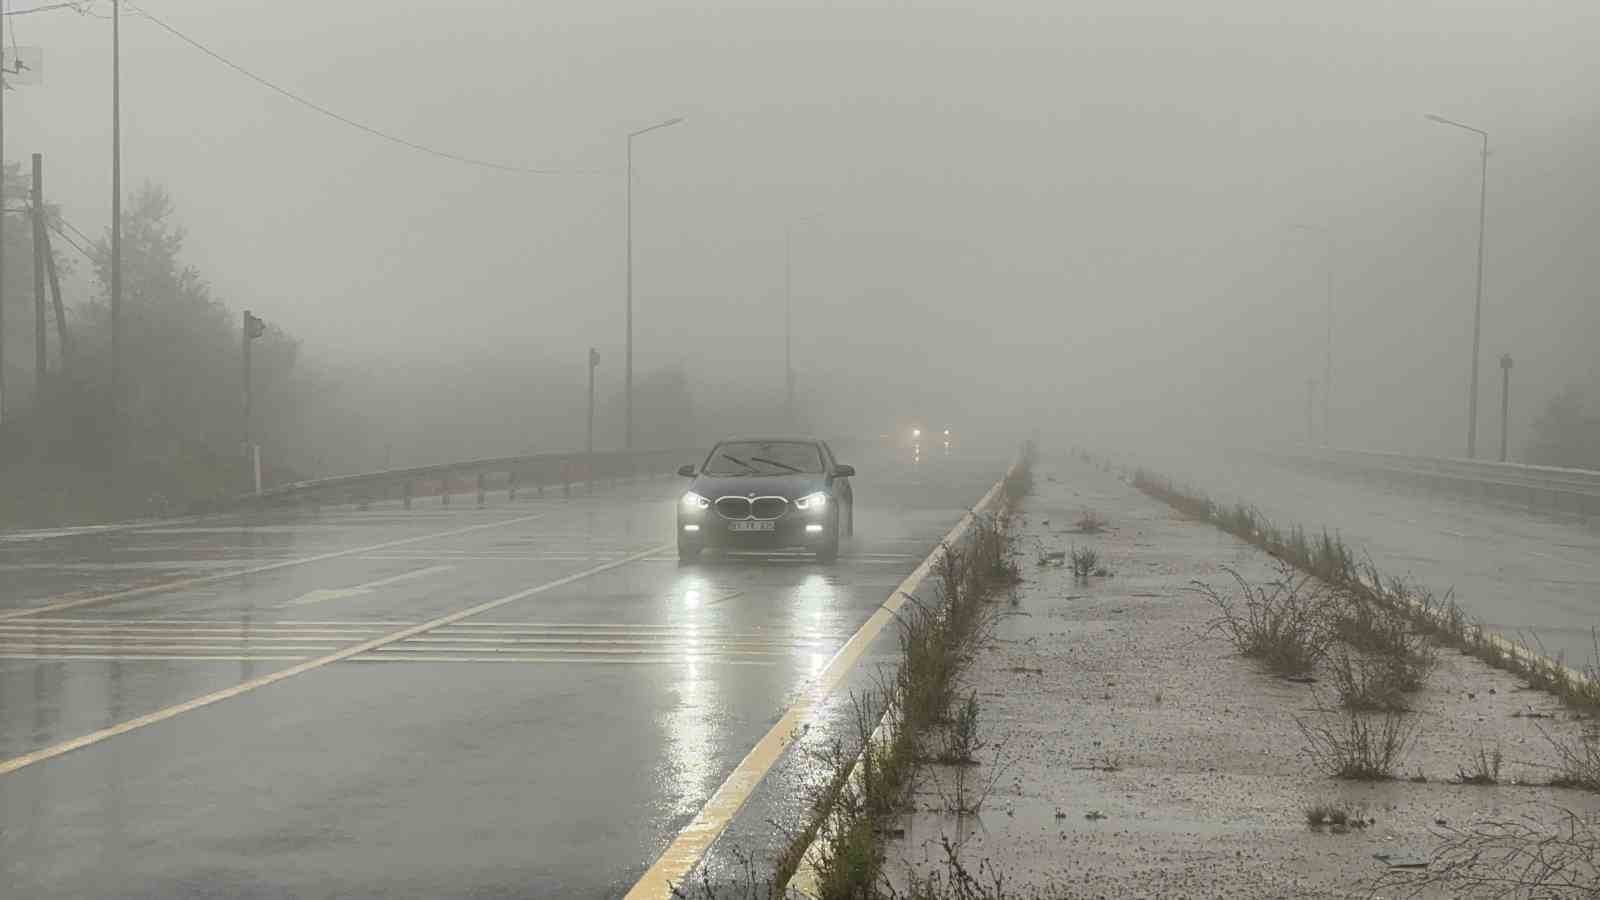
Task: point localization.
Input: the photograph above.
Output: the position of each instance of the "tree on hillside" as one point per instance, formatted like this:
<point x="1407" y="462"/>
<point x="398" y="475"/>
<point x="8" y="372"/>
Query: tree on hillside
<point x="181" y="381"/>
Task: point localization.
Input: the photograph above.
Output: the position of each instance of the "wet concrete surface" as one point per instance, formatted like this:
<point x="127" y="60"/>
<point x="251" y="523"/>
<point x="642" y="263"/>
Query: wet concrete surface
<point x="1132" y="753"/>
<point x="1529" y="575"/>
<point x="550" y="747"/>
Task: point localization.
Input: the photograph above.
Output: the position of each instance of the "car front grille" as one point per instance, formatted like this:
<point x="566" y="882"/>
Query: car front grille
<point x="733" y="507"/>
<point x="768" y="507"/>
<point x="746" y="508"/>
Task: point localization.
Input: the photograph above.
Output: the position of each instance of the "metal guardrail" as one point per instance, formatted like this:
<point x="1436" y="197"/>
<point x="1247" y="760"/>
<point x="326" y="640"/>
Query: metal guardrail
<point x="1547" y="487"/>
<point x="512" y="474"/>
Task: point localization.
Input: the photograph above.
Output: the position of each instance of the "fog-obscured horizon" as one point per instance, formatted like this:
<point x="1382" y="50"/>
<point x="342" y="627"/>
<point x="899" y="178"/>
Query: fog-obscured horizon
<point x="1077" y="217"/>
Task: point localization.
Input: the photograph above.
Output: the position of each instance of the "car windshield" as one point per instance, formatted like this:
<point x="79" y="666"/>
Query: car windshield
<point x="737" y="458"/>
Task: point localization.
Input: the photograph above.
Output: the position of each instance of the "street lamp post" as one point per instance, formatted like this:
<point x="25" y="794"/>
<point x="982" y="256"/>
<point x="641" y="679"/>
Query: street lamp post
<point x="1505" y="401"/>
<point x="627" y="390"/>
<point x="1327" y="362"/>
<point x="788" y="325"/>
<point x="1477" y="309"/>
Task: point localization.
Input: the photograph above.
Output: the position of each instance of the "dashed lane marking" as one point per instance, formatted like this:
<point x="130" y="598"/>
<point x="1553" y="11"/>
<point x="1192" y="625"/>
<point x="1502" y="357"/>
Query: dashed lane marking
<point x="256" y="570"/>
<point x="104" y="734"/>
<point x="319" y="596"/>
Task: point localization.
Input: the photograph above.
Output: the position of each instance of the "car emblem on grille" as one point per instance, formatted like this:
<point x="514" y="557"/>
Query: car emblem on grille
<point x="752" y="495"/>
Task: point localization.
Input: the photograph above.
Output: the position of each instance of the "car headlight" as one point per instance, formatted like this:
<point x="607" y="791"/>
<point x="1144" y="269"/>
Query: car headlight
<point x="812" y="502"/>
<point x="694" y="502"/>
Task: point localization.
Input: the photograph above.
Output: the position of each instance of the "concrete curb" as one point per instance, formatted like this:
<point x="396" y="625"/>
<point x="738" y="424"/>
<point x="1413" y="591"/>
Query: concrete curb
<point x="804" y="881"/>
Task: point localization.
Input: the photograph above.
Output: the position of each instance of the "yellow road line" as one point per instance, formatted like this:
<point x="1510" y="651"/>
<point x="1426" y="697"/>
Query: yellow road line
<point x="706" y="639"/>
<point x="95" y="737"/>
<point x="270" y="567"/>
<point x="609" y="661"/>
<point x="581" y="651"/>
<point x="689" y="847"/>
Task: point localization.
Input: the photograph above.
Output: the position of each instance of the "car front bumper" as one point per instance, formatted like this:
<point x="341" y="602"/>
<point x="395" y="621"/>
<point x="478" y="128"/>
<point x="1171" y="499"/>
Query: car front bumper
<point x="789" y="530"/>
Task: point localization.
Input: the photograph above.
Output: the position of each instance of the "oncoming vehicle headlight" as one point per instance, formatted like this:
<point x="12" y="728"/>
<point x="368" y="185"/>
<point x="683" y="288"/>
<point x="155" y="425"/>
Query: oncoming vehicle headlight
<point x="695" y="502"/>
<point x="812" y="502"/>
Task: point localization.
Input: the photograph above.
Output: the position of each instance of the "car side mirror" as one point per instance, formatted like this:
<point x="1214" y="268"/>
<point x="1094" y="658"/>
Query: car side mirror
<point x="842" y="471"/>
<point x="687" y="471"/>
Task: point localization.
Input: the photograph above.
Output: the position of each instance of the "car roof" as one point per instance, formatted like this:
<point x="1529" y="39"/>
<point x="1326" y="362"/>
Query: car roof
<point x="772" y="439"/>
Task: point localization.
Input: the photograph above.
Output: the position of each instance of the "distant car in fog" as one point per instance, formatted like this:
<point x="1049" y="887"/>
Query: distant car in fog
<point x="914" y="439"/>
<point x="767" y="494"/>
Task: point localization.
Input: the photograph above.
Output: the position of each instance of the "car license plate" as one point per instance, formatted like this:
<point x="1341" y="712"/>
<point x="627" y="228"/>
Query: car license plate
<point x="752" y="526"/>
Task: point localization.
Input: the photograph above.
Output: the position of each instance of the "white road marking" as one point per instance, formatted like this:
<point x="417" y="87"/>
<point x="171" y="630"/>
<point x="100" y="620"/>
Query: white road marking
<point x="161" y="715"/>
<point x="110" y="621"/>
<point x="31" y="646"/>
<point x="239" y="573"/>
<point x="70" y="657"/>
<point x="318" y="596"/>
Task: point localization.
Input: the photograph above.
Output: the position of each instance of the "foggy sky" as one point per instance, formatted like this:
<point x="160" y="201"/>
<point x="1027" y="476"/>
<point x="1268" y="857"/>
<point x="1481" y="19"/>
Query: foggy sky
<point x="1078" y="212"/>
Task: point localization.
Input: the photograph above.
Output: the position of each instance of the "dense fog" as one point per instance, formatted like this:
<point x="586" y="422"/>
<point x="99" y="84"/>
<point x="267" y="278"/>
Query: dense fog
<point x="1098" y="219"/>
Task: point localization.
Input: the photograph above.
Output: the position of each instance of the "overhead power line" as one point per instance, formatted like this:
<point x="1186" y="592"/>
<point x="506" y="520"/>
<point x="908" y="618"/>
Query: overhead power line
<point x="72" y="243"/>
<point x="79" y="6"/>
<point x="313" y="105"/>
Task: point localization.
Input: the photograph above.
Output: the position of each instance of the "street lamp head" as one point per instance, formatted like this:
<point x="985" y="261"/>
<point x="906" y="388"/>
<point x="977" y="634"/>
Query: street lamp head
<point x="1454" y="124"/>
<point x="672" y="121"/>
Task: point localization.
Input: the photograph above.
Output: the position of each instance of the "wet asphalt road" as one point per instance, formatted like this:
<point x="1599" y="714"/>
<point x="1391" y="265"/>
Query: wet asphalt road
<point x="1528" y="575"/>
<point x="548" y="747"/>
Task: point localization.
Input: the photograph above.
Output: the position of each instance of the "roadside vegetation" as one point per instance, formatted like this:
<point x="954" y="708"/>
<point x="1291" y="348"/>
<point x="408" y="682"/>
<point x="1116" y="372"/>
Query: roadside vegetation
<point x="915" y="716"/>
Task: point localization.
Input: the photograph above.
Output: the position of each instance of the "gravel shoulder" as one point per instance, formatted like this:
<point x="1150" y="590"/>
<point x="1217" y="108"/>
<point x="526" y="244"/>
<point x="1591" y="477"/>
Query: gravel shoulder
<point x="1131" y="752"/>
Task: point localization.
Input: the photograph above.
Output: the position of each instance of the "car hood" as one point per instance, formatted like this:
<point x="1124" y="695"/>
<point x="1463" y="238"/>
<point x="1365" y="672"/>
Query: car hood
<point x="789" y="486"/>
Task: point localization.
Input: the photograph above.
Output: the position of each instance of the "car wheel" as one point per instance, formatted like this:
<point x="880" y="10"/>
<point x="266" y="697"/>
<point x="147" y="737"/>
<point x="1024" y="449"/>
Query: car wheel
<point x="829" y="551"/>
<point x="688" y="551"/>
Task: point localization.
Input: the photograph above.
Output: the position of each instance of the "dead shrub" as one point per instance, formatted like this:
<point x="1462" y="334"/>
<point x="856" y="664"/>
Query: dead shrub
<point x="1285" y="624"/>
<point x="1356" y="745"/>
<point x="1549" y="853"/>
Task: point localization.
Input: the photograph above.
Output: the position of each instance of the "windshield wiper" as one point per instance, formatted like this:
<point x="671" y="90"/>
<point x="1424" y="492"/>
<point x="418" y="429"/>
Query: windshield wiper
<point x="773" y="462"/>
<point x="737" y="460"/>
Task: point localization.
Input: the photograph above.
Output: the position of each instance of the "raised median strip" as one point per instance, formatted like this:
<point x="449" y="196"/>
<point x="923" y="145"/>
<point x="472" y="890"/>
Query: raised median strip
<point x="1153" y="726"/>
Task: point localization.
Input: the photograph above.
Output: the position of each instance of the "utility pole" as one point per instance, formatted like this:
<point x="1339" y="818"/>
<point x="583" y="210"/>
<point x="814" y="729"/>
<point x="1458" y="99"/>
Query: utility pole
<point x="40" y="359"/>
<point x="588" y="440"/>
<point x="63" y="344"/>
<point x="117" y="388"/>
<point x="1505" y="402"/>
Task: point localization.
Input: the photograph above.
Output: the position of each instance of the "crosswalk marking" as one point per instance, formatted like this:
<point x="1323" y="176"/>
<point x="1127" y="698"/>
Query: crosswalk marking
<point x="533" y="642"/>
